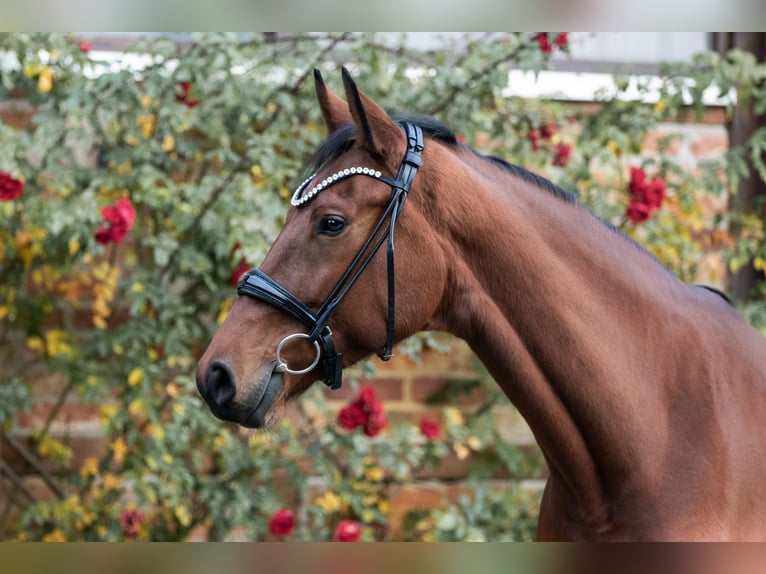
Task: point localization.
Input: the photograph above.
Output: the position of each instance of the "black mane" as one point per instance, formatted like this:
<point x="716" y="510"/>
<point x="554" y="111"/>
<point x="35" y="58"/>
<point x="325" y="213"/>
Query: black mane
<point x="341" y="140"/>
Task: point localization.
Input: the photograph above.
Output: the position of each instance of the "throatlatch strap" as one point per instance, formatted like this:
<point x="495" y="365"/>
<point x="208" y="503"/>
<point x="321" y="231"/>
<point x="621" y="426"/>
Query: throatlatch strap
<point x="407" y="170"/>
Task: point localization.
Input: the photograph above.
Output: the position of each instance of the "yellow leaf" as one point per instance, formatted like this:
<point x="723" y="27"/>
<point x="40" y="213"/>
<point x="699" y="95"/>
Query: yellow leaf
<point x="453" y="416"/>
<point x="136" y="407"/>
<point x="32" y="70"/>
<point x="55" y="536"/>
<point x="329" y="502"/>
<point x="111" y="482"/>
<point x="45" y="80"/>
<point x="36" y="344"/>
<point x="156" y="432"/>
<point x="374" y="474"/>
<point x="183" y="516"/>
<point x="108" y="412"/>
<point x="119" y="449"/>
<point x="168" y="143"/>
<point x="135" y="376"/>
<point x="461" y="451"/>
<point x="147" y="123"/>
<point x="759" y="263"/>
<point x="89" y="467"/>
<point x="74" y="246"/>
<point x="474" y="442"/>
<point x="57" y="343"/>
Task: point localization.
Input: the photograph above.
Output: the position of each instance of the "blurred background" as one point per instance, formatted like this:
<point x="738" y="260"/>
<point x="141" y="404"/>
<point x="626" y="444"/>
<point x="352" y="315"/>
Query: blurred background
<point x="142" y="174"/>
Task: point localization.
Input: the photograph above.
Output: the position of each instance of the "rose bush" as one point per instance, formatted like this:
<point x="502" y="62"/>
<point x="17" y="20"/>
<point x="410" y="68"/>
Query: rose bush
<point x="131" y="200"/>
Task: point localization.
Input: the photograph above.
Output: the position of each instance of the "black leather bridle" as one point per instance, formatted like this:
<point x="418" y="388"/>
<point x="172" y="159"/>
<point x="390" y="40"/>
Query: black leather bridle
<point x="259" y="285"/>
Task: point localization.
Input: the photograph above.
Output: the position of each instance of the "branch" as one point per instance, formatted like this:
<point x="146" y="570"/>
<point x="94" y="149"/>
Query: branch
<point x="31" y="461"/>
<point x="486" y="69"/>
<point x="16" y="480"/>
<point x="56" y="408"/>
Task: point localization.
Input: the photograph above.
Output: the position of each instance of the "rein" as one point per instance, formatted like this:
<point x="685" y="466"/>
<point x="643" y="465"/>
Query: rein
<point x="261" y="286"/>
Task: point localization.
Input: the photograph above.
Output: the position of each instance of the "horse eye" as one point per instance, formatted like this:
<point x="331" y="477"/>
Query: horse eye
<point x="331" y="225"/>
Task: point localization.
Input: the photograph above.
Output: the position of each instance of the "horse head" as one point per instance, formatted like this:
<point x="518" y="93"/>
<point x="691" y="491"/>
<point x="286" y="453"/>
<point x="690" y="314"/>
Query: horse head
<point x="330" y="290"/>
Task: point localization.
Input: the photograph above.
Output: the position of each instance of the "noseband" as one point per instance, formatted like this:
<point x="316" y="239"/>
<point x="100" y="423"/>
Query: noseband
<point x="259" y="285"/>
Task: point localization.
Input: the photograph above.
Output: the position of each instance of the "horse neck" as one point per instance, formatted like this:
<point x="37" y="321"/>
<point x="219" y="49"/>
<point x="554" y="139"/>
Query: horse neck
<point x="541" y="289"/>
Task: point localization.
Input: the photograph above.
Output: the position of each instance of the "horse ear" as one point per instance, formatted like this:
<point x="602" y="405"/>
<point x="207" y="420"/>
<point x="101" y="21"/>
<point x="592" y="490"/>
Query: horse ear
<point x="334" y="109"/>
<point x="377" y="131"/>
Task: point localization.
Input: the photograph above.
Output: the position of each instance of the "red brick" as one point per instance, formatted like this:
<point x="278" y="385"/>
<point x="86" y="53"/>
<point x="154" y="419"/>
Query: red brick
<point x="46" y="385"/>
<point x="414" y="497"/>
<point x="17" y="115"/>
<point x="399" y="362"/>
<point x="652" y="141"/>
<point x="70" y="412"/>
<point x="423" y="388"/>
<point x="409" y="416"/>
<point x="710" y="144"/>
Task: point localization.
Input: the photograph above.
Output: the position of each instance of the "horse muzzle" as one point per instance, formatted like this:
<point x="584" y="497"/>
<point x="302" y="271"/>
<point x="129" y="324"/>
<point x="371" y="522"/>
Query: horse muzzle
<point x="247" y="407"/>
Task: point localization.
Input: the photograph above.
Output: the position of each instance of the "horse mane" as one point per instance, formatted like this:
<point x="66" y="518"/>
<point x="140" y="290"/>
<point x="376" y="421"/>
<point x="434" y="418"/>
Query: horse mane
<point x="341" y="140"/>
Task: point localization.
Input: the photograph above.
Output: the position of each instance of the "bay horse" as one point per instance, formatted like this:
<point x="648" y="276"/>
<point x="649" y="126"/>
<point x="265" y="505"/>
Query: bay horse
<point x="646" y="395"/>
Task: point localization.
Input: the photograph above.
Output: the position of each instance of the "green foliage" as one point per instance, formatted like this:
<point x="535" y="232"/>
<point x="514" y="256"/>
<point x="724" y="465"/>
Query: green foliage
<point x="206" y="141"/>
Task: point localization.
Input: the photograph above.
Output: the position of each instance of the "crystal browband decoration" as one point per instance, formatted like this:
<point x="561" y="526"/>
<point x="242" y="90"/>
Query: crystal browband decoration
<point x="299" y="198"/>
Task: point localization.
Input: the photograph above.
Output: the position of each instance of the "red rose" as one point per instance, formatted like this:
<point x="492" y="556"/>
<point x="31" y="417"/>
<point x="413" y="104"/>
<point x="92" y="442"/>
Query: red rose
<point x="430" y="428"/>
<point x="103" y="235"/>
<point x="646" y="196"/>
<point x="548" y="130"/>
<point x="367" y="397"/>
<point x="365" y="412"/>
<point x="121" y="216"/>
<point x="376" y="422"/>
<point x="543" y="42"/>
<point x="638" y="212"/>
<point x="562" y="40"/>
<point x="654" y="193"/>
<point x="282" y="522"/>
<point x="637" y="181"/>
<point x="534" y="137"/>
<point x="561" y="154"/>
<point x="10" y="187"/>
<point x="185" y="96"/>
<point x="85" y="47"/>
<point x="130" y="520"/>
<point x="351" y="417"/>
<point x="348" y="531"/>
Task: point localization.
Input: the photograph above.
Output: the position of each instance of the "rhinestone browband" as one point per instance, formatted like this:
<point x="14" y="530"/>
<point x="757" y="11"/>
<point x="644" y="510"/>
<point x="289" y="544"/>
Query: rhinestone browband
<point x="299" y="198"/>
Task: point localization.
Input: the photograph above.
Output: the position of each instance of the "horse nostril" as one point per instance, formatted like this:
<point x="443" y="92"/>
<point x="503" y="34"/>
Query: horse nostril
<point x="220" y="385"/>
